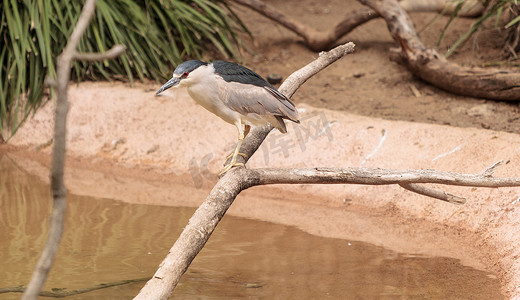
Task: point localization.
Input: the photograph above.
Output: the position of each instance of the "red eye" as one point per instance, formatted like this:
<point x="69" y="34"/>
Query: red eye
<point x="185" y="74"/>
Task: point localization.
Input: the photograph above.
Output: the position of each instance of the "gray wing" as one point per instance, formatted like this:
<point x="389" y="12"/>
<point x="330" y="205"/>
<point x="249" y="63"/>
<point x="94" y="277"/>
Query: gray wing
<point x="263" y="101"/>
<point x="235" y="73"/>
<point x="284" y="100"/>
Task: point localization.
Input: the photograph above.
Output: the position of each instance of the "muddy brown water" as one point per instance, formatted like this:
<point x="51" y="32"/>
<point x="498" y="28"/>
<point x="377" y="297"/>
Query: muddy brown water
<point x="107" y="241"/>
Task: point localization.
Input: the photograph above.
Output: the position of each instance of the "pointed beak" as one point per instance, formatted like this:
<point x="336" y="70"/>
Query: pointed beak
<point x="172" y="82"/>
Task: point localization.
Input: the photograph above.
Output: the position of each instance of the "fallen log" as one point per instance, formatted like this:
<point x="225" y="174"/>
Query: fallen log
<point x="434" y="68"/>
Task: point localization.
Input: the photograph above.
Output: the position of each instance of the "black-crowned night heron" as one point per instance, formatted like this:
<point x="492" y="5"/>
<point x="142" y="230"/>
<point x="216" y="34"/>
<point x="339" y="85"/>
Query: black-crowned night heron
<point x="236" y="94"/>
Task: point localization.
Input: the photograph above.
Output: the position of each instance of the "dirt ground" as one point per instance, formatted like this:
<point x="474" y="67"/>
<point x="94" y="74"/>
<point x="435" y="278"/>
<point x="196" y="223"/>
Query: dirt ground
<point x="367" y="82"/>
<point x="125" y="144"/>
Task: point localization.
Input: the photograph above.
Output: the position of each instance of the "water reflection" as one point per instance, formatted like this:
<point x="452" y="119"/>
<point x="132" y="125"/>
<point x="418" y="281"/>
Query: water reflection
<point x="109" y="241"/>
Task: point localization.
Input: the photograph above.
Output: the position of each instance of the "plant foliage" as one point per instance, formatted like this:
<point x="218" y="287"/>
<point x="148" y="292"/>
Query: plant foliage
<point x="157" y="34"/>
<point x="494" y="8"/>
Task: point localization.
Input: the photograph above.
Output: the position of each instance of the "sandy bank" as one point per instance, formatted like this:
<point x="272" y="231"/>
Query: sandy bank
<point x="125" y="144"/>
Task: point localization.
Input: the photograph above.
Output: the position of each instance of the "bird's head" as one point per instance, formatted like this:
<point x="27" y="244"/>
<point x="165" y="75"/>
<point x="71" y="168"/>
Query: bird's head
<point x="181" y="75"/>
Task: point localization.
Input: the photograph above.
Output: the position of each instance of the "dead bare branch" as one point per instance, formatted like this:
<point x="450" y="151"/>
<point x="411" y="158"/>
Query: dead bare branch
<point x="318" y="41"/>
<point x="491" y="169"/>
<point x="50" y="82"/>
<point x="58" y="154"/>
<point x="433" y="193"/>
<point x="408" y="179"/>
<point x="110" y="54"/>
<point x="468" y="8"/>
<point x="314" y="39"/>
<point x="376" y="177"/>
<point x="208" y="215"/>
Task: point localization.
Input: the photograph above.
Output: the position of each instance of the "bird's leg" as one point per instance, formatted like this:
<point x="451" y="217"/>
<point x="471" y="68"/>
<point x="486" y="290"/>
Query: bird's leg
<point x="246" y="132"/>
<point x="233" y="162"/>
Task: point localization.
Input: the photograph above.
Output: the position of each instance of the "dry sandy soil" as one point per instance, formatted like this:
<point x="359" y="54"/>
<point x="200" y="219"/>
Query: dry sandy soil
<point x="124" y="143"/>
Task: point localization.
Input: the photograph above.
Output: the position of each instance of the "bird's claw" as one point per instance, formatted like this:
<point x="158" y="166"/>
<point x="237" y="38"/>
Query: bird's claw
<point x="229" y="167"/>
<point x="231" y="155"/>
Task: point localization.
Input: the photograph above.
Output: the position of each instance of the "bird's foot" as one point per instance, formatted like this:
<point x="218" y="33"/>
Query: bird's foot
<point x="231" y="155"/>
<point x="229" y="167"/>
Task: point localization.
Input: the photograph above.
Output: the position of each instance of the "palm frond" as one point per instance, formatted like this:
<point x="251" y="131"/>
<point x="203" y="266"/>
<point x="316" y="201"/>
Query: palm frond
<point x="158" y="34"/>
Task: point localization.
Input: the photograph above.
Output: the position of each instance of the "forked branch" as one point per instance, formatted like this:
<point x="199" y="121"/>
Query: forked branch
<point x="205" y="219"/>
<point x="208" y="215"/>
<point x="408" y="179"/>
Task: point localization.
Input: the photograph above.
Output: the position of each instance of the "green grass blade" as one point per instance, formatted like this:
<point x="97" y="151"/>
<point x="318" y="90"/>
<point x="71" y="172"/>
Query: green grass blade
<point x="158" y="35"/>
<point x="473" y="28"/>
<point x="513" y="22"/>
<point x="453" y="15"/>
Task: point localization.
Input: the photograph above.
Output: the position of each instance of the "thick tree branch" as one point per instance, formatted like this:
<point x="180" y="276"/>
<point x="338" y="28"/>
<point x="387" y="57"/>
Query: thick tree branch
<point x="58" y="153"/>
<point x="376" y="177"/>
<point x="408" y="179"/>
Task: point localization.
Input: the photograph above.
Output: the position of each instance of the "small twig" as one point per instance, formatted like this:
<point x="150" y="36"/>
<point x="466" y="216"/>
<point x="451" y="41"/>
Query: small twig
<point x="436" y="194"/>
<point x="110" y="54"/>
<point x="49" y="82"/>
<point x="491" y="169"/>
<point x="415" y="90"/>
